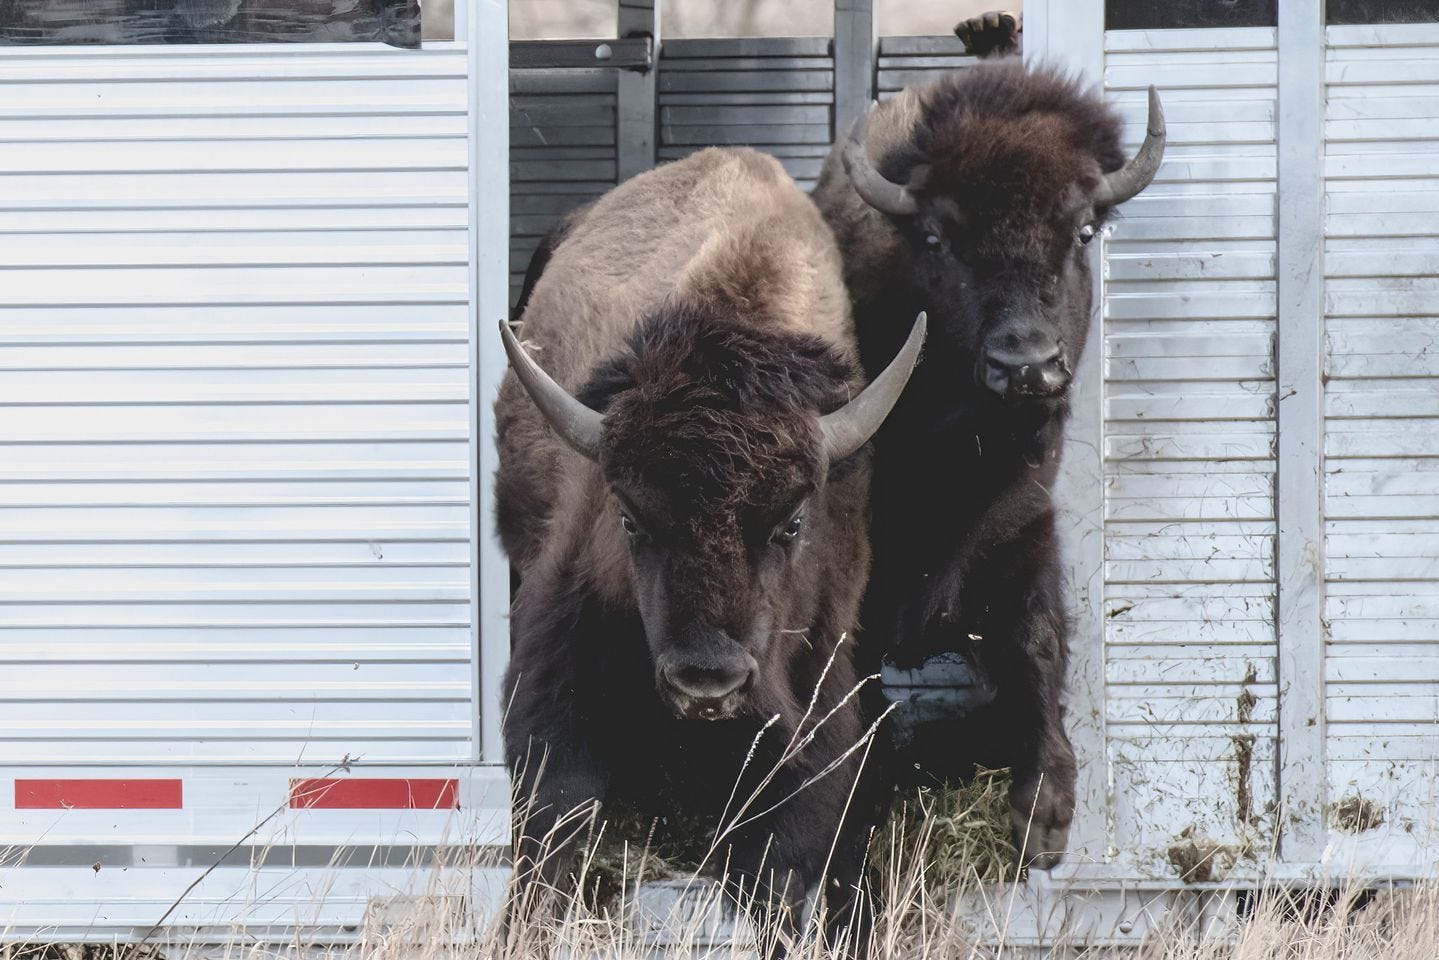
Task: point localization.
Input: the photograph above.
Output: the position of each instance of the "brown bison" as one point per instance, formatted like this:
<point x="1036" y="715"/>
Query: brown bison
<point x="684" y="492"/>
<point x="976" y="198"/>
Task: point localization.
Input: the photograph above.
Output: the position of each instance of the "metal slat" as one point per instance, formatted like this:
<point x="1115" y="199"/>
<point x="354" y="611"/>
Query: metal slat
<point x="706" y="49"/>
<point x="749" y="98"/>
<point x="738" y="81"/>
<point x="1300" y="441"/>
<point x="626" y="54"/>
<point x="749" y="64"/>
<point x="854" y="52"/>
<point x="740" y="115"/>
<point x="947" y="46"/>
<point x="553" y="82"/>
<point x="751" y="134"/>
<point x="636" y="90"/>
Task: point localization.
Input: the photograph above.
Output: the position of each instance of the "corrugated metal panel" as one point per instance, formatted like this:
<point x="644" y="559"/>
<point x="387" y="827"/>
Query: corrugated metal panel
<point x="234" y="483"/>
<point x="562" y="148"/>
<point x="909" y="61"/>
<point x="1382" y="426"/>
<point x="774" y="94"/>
<point x="1189" y="313"/>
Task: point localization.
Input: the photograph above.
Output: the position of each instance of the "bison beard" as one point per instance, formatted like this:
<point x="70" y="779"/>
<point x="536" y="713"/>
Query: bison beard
<point x="974" y="198"/>
<point x="689" y="533"/>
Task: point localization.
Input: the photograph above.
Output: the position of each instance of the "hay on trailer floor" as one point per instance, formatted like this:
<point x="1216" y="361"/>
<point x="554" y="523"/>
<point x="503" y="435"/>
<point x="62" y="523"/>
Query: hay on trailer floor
<point x="958" y="832"/>
<point x="629" y="848"/>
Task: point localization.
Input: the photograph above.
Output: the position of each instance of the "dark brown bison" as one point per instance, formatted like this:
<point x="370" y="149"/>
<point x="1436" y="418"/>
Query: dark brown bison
<point x="684" y="491"/>
<point x="976" y="198"/>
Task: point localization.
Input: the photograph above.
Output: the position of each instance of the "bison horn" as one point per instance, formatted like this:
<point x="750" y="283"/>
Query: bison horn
<point x="577" y="424"/>
<point x="850" y="427"/>
<point x="869" y="183"/>
<point x="1135" y="175"/>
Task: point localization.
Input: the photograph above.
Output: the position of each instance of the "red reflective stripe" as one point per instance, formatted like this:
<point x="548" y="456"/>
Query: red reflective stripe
<point x="361" y="793"/>
<point x="98" y="795"/>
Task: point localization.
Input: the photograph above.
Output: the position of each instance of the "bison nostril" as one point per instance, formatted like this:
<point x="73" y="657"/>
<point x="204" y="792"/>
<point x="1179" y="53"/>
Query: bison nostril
<point x="1026" y="375"/>
<point x="708" y="683"/>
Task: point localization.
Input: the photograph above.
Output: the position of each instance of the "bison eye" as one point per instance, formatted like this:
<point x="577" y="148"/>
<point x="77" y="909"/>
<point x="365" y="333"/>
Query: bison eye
<point x="931" y="242"/>
<point x="789" y="533"/>
<point x="1086" y="233"/>
<point x="629" y="525"/>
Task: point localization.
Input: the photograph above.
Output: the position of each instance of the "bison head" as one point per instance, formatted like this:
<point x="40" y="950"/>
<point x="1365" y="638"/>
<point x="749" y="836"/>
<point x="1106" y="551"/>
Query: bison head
<point x="1007" y="177"/>
<point x="716" y="454"/>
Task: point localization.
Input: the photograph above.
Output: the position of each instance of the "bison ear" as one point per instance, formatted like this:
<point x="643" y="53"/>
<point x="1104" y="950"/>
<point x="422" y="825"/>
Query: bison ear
<point x="577" y="424"/>
<point x="850" y="427"/>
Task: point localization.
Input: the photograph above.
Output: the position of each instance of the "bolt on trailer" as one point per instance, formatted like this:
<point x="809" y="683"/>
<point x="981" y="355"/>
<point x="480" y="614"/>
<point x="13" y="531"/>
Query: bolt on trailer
<point x="250" y="573"/>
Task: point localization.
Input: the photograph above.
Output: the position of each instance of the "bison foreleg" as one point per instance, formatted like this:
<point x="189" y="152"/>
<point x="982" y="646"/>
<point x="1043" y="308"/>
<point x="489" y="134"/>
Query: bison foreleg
<point x="557" y="796"/>
<point x="1030" y="709"/>
<point x="1041" y="800"/>
<point x="558" y="782"/>
<point x="801" y="857"/>
<point x="554" y="809"/>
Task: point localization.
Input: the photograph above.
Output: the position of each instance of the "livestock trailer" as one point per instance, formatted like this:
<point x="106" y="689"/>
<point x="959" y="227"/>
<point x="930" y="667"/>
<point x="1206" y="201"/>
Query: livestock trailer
<point x="251" y="594"/>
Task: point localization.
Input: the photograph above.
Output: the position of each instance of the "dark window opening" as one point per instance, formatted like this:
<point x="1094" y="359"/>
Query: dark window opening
<point x="1177" y="14"/>
<point x="56" y="22"/>
<point x="1382" y="11"/>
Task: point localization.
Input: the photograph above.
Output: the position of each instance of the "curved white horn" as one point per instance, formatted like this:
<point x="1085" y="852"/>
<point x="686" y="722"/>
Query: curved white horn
<point x="869" y="183"/>
<point x="577" y="424"/>
<point x="850" y="427"/>
<point x="1135" y="175"/>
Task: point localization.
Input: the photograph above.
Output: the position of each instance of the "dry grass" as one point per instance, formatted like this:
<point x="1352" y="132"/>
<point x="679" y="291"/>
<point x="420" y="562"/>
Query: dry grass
<point x="922" y="920"/>
<point x="933" y="869"/>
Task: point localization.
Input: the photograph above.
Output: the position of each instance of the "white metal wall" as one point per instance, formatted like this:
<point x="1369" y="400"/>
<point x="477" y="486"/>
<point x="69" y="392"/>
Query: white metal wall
<point x="1381" y="403"/>
<point x="235" y="423"/>
<point x="240" y="391"/>
<point x="1188" y="438"/>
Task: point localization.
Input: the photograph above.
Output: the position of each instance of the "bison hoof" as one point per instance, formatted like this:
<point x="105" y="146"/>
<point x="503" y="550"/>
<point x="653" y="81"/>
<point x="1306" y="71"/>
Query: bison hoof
<point x="989" y="34"/>
<point x="1041" y="827"/>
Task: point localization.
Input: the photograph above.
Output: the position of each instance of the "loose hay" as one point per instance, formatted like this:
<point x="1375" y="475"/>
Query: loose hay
<point x="960" y="833"/>
<point x="630" y="847"/>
